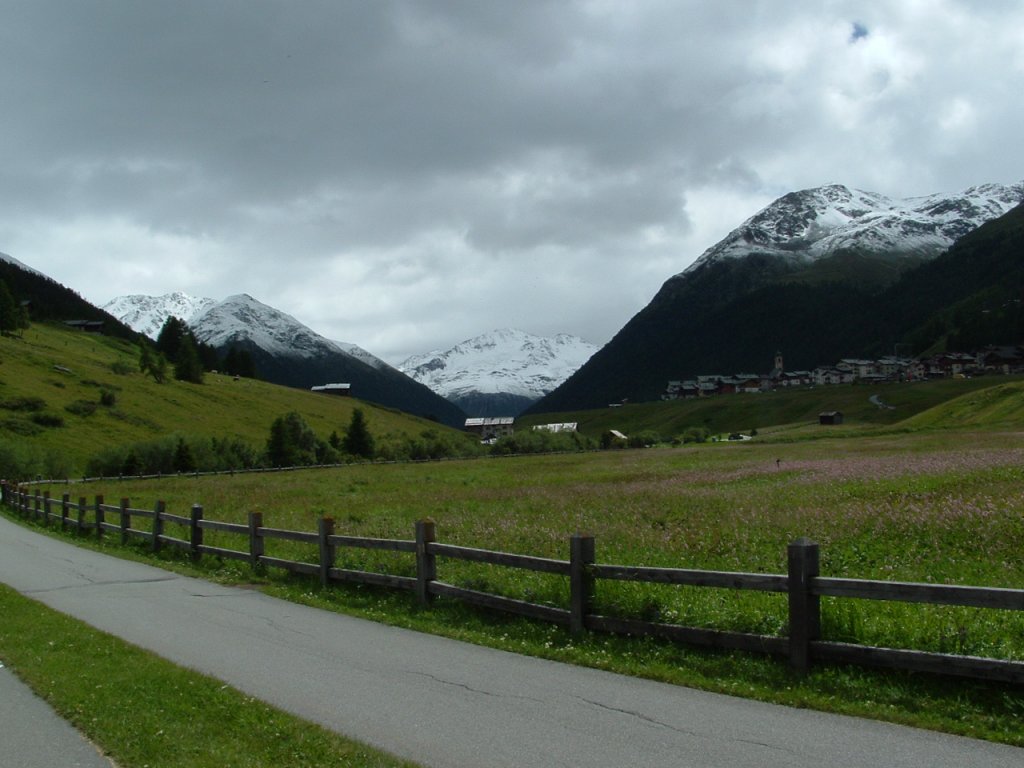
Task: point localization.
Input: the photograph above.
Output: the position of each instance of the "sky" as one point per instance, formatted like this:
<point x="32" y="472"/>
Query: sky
<point x="405" y="175"/>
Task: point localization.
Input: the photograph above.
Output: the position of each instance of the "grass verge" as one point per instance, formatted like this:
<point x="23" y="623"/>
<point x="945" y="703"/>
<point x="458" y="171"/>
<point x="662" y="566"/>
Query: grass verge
<point x="144" y="711"/>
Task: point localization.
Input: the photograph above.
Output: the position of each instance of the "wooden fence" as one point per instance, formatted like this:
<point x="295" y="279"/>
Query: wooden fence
<point x="802" y="584"/>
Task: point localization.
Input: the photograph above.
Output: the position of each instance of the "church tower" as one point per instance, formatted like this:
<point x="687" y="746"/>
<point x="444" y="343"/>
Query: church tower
<point x="778" y="369"/>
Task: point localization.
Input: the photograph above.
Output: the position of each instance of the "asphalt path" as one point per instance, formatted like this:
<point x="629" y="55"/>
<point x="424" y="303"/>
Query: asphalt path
<point x="32" y="735"/>
<point x="445" y="703"/>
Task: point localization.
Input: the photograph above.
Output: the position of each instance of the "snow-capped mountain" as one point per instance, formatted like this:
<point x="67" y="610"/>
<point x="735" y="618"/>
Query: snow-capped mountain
<point x="502" y="362"/>
<point x="287" y="352"/>
<point x="820" y="274"/>
<point x="361" y="354"/>
<point x="233" y="319"/>
<point x="243" y="319"/>
<point x="147" y="314"/>
<point x="815" y="223"/>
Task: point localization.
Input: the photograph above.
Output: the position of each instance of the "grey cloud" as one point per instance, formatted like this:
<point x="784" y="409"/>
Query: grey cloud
<point x="419" y="152"/>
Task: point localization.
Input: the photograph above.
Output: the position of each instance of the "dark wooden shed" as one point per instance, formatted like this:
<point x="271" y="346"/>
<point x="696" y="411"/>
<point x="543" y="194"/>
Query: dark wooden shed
<point x="830" y="417"/>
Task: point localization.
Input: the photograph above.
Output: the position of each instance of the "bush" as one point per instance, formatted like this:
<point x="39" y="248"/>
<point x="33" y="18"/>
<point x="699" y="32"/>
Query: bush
<point x="695" y="435"/>
<point x="430" y="444"/>
<point x="21" y="462"/>
<point x="81" y="408"/>
<point x="23" y="404"/>
<point x="48" y="419"/>
<point x="20" y="427"/>
<point x="644" y="439"/>
<point x="172" y="454"/>
<point x="292" y="442"/>
<point x="541" y="441"/>
<point x="108" y="398"/>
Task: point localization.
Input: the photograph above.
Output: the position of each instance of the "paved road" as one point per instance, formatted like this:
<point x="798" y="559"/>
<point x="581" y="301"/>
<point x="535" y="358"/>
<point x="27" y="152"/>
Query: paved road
<point x="445" y="703"/>
<point x="32" y="735"/>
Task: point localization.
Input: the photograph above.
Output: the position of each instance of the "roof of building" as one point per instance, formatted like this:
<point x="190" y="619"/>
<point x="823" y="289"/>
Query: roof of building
<point x="499" y="421"/>
<point x="566" y="426"/>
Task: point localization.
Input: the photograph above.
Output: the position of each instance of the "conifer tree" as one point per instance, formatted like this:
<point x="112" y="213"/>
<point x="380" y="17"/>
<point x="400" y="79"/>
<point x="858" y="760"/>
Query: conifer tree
<point x="292" y="443"/>
<point x="153" y="363"/>
<point x="13" y="316"/>
<point x="188" y="366"/>
<point x="358" y="441"/>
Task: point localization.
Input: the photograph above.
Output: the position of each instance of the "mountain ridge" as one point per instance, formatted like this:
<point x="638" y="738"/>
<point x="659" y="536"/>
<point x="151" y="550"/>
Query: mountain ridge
<point x="285" y="351"/>
<point x="505" y="361"/>
<point x="774" y="283"/>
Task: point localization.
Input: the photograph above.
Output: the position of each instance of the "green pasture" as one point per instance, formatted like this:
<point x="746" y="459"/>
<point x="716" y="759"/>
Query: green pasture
<point x="929" y="490"/>
<point x="793" y="412"/>
<point x="68" y="371"/>
<point x="928" y="507"/>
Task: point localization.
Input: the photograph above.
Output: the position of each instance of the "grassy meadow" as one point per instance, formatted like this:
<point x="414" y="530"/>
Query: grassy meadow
<point x="930" y="490"/>
<point x="68" y="371"/>
<point x="930" y="507"/>
<point x="939" y="506"/>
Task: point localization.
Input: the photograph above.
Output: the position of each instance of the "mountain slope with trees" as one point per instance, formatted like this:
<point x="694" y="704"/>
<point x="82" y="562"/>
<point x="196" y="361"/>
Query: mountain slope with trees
<point x="727" y="315"/>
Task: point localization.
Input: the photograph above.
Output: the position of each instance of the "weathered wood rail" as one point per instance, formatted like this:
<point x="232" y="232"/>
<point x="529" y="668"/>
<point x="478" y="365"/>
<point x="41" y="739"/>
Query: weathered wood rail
<point x="802" y="584"/>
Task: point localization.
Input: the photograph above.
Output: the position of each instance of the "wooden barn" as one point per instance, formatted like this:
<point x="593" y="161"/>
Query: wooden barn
<point x="830" y="417"/>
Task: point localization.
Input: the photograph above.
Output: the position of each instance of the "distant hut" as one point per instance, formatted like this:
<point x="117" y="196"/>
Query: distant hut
<point x="338" y="390"/>
<point x="830" y="417"/>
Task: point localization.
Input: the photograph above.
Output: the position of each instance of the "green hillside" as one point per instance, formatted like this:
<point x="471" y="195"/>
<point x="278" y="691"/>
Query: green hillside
<point x="53" y="382"/>
<point x="918" y="405"/>
<point x="730" y="316"/>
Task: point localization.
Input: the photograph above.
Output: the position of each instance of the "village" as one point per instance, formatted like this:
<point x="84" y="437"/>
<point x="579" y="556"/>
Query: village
<point x="991" y="360"/>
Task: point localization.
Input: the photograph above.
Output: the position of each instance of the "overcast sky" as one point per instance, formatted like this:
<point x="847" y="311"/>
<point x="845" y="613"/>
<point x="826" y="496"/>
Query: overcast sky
<point x="406" y="175"/>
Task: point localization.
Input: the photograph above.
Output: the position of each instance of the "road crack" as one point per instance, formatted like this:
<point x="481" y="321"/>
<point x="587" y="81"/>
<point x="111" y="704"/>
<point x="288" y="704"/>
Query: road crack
<point x="471" y="689"/>
<point x="683" y="731"/>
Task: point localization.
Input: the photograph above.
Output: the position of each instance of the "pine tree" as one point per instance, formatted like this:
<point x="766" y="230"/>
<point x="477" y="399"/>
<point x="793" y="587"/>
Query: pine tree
<point x="292" y="443"/>
<point x="169" y="339"/>
<point x="10" y="314"/>
<point x="183" y="460"/>
<point x="358" y="441"/>
<point x="188" y="366"/>
<point x="153" y="363"/>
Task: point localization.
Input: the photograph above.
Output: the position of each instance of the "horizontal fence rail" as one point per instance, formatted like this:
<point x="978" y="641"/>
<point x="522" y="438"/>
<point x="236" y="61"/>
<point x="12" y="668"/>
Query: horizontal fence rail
<point x="802" y="585"/>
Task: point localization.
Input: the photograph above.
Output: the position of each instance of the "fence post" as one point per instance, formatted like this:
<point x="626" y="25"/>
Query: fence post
<point x="100" y="516"/>
<point x="46" y="507"/>
<point x="426" y="561"/>
<point x="126" y="520"/>
<point x="158" y="525"/>
<point x="82" y="504"/>
<point x="3" y="492"/>
<point x="195" y="533"/>
<point x="325" y="529"/>
<point x="804" y="608"/>
<point x="581" y="581"/>
<point x="255" y="540"/>
<point x="65" y="509"/>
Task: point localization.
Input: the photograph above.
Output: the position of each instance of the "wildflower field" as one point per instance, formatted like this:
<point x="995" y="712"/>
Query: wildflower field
<point x="940" y="506"/>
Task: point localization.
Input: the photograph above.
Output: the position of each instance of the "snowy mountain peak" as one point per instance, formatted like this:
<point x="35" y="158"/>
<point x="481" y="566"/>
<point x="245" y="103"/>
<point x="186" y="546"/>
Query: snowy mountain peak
<point x="241" y="318"/>
<point x="147" y="314"/>
<point x="505" y="361"/>
<point x="815" y="223"/>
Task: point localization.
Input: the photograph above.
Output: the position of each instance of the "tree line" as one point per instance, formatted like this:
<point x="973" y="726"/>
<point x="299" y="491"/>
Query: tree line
<point x="178" y="351"/>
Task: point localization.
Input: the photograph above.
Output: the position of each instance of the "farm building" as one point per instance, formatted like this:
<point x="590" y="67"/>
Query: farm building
<point x="568" y="426"/>
<point x="830" y="417"/>
<point x="340" y="390"/>
<point x="491" y="428"/>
